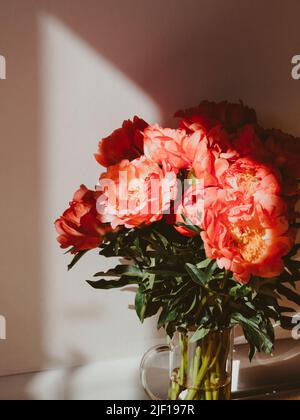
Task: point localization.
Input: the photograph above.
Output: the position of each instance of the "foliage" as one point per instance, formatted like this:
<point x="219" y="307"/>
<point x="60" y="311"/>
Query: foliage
<point x="175" y="280"/>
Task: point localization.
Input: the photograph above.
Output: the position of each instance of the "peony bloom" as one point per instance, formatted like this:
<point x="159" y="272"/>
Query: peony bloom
<point x="196" y="202"/>
<point x="173" y="146"/>
<point x="245" y="223"/>
<point x="210" y="114"/>
<point x="80" y="227"/>
<point x="209" y="163"/>
<point x="249" y="236"/>
<point x="250" y="177"/>
<point x="123" y="143"/>
<point x="244" y="143"/>
<point x="136" y="193"/>
<point x="244" y="220"/>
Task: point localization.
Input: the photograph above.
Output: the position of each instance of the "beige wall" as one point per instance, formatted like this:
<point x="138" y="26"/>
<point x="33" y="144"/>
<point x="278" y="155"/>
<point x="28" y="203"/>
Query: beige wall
<point x="74" y="71"/>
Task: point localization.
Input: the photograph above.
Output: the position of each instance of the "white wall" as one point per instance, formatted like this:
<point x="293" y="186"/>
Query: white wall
<point x="75" y="70"/>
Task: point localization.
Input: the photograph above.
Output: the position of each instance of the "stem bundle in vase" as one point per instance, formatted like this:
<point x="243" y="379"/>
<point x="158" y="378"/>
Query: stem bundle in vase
<point x="204" y="219"/>
<point x="205" y="368"/>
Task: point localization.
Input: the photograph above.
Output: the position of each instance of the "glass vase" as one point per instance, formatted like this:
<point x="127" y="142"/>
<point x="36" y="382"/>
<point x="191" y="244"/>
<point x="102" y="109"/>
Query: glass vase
<point x="200" y="370"/>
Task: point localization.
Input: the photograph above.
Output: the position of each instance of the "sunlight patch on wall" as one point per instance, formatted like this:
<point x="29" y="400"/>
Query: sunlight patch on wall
<point x="83" y="97"/>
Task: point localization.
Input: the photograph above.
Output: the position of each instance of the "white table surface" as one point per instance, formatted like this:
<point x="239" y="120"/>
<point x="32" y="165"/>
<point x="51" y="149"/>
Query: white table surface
<point x="119" y="379"/>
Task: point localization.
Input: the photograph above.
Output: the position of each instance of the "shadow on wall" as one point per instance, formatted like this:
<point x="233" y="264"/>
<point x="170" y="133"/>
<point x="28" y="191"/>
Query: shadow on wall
<point x="181" y="52"/>
<point x="178" y="52"/>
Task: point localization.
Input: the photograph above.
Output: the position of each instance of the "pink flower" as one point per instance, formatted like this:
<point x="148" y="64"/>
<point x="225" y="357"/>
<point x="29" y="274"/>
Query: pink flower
<point x="218" y="150"/>
<point x="80" y="227"/>
<point x="210" y="162"/>
<point x="136" y="193"/>
<point x="123" y="143"/>
<point x="243" y="219"/>
<point x="250" y="176"/>
<point x="248" y="237"/>
<point x="246" y="222"/>
<point x="173" y="146"/>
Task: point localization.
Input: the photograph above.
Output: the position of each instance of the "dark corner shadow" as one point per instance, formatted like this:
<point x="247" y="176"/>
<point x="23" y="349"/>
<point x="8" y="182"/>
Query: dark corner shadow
<point x="172" y="49"/>
<point x="183" y="51"/>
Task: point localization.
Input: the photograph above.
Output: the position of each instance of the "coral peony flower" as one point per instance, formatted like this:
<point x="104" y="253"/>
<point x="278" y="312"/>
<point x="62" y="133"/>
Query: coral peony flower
<point x="244" y="220"/>
<point x="123" y="143"/>
<point x="173" y="146"/>
<point x="195" y="203"/>
<point x="80" y="227"/>
<point x="210" y="162"/>
<point x="221" y="149"/>
<point x="247" y="233"/>
<point x="210" y="114"/>
<point x="246" y="228"/>
<point x="251" y="176"/>
<point x="136" y="193"/>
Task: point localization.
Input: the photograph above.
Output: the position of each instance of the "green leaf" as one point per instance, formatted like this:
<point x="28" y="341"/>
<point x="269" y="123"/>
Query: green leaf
<point x="285" y="310"/>
<point x="166" y="316"/>
<point x="140" y="305"/>
<point x="287" y="278"/>
<point x="199" y="334"/>
<point x="189" y="225"/>
<point x="151" y="279"/>
<point x="292" y="268"/>
<point x="211" y="269"/>
<point x="252" y="350"/>
<point x="122" y="270"/>
<point x="289" y="294"/>
<point x="111" y="284"/>
<point x="151" y="308"/>
<point x="192" y="306"/>
<point x="204" y="264"/>
<point x="162" y="239"/>
<point x="257" y="334"/>
<point x="239" y="291"/>
<point x="170" y="329"/>
<point x="76" y="259"/>
<point x="176" y="278"/>
<point x="287" y="322"/>
<point x="165" y="273"/>
<point x="197" y="275"/>
<point x="293" y="252"/>
<point x="266" y="291"/>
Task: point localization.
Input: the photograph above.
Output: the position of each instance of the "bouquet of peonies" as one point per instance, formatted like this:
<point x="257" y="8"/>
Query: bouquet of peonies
<point x="204" y="219"/>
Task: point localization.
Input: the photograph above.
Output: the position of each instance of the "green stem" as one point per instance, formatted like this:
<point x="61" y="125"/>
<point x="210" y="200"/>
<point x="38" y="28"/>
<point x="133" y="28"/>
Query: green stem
<point x="178" y="385"/>
<point x="225" y="279"/>
<point x="200" y="375"/>
<point x="203" y="377"/>
<point x="183" y="340"/>
<point x="214" y="379"/>
<point x="196" y="363"/>
<point x="208" y="394"/>
<point x="175" y="391"/>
